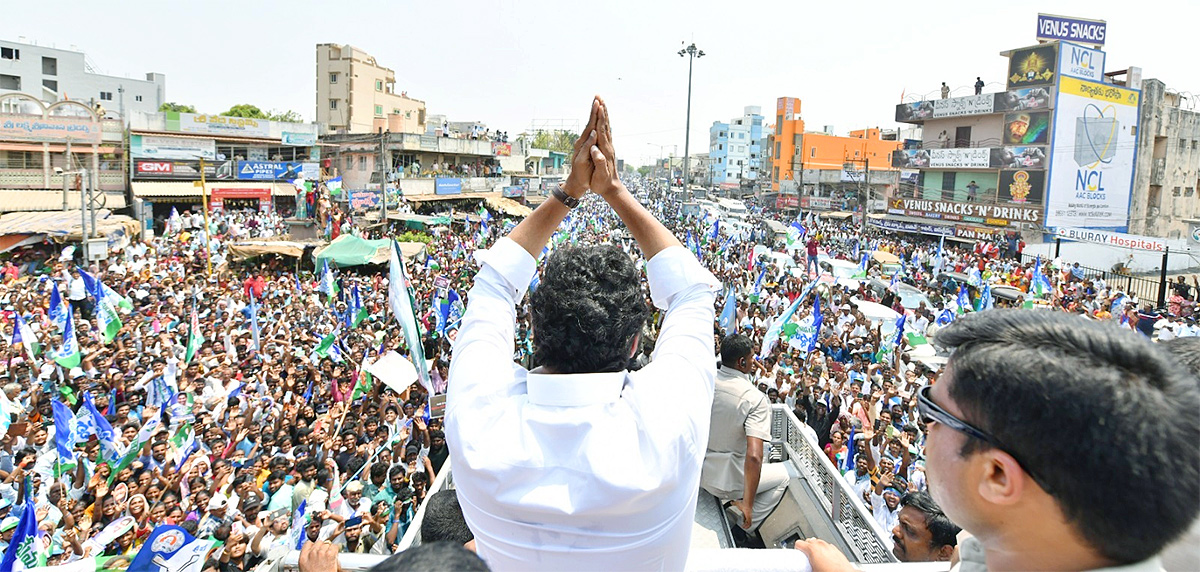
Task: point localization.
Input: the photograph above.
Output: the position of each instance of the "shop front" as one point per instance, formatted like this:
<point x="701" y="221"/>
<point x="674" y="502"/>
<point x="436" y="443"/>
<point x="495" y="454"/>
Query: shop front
<point x="243" y="198"/>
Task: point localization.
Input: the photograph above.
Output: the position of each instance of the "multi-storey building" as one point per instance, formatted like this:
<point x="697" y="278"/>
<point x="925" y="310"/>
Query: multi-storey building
<point x="735" y="150"/>
<point x="1168" y="166"/>
<point x="357" y="95"/>
<point x="52" y="75"/>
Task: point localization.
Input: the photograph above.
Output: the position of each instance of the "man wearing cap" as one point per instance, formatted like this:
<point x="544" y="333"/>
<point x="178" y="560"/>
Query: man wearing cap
<point x="217" y="514"/>
<point x="273" y="533"/>
<point x="8" y="527"/>
<point x="353" y="504"/>
<point x="356" y="539"/>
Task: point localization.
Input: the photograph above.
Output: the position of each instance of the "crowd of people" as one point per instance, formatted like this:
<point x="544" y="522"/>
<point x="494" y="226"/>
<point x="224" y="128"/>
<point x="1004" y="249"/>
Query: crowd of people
<point x="240" y="406"/>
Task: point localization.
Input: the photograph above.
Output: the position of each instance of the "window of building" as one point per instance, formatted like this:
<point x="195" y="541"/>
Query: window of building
<point x="378" y="110"/>
<point x="362" y="162"/>
<point x="333" y="104"/>
<point x="51" y="85"/>
<point x="1183" y="143"/>
<point x="1189" y="191"/>
<point x="1175" y="192"/>
<point x="10" y="54"/>
<point x="395" y="111"/>
<point x="20" y="159"/>
<point x="720" y="146"/>
<point x="333" y="78"/>
<point x="948" y="180"/>
<point x="49" y="66"/>
<point x="137" y="98"/>
<point x="778" y="129"/>
<point x="12" y="82"/>
<point x="349" y="163"/>
<point x="812" y="152"/>
<point x="106" y="96"/>
<point x="378" y="85"/>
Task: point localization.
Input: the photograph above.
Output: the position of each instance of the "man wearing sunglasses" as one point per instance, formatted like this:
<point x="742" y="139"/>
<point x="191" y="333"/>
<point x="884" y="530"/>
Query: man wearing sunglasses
<point x="1058" y="443"/>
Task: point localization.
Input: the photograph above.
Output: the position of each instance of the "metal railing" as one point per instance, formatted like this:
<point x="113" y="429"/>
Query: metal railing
<point x="1147" y="289"/>
<point x="841" y="505"/>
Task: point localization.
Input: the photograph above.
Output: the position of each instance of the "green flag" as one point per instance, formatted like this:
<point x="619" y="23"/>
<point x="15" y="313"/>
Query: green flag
<point x="323" y="348"/>
<point x="195" y="339"/>
<point x="135" y="449"/>
<point x="68" y="355"/>
<point x="109" y="320"/>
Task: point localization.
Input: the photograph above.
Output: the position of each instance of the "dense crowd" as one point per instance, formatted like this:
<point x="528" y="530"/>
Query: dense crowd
<point x="241" y="408"/>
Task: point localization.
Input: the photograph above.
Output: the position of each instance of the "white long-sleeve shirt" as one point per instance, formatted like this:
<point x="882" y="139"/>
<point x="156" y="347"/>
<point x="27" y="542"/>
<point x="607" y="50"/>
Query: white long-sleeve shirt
<point x="596" y="471"/>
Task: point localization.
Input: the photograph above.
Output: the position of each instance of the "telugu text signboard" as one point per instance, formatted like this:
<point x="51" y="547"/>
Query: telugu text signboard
<point x="969" y="211"/>
<point x="965" y="105"/>
<point x="960" y="158"/>
<point x="1084" y="31"/>
<point x="365" y="199"/>
<point x="50" y="129"/>
<point x="217" y="125"/>
<point x="159" y="147"/>
<point x="1092" y="160"/>
<point x="447" y="186"/>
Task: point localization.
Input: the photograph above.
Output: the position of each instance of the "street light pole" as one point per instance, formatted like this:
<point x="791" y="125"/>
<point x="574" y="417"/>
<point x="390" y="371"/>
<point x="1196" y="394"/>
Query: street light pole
<point x="692" y="52"/>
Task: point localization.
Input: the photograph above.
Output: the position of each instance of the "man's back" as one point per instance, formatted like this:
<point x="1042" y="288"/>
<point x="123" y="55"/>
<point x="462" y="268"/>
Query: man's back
<point x="581" y="471"/>
<point x="737" y="405"/>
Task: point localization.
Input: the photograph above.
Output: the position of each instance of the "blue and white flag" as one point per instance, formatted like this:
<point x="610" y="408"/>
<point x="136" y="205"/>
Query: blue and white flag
<point x="327" y="285"/>
<point x="24" y="550"/>
<point x="938" y="261"/>
<point x="809" y="330"/>
<point x="255" y="331"/>
<point x="945" y="317"/>
<point x="777" y="324"/>
<point x="964" y="299"/>
<point x="65" y="428"/>
<point x="728" y="321"/>
<point x="986" y="302"/>
<point x="170" y="548"/>
<point x="57" y="310"/>
<point x="758" y="282"/>
<point x="974" y="278"/>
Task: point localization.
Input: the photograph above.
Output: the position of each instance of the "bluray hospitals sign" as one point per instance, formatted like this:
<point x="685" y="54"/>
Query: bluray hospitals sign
<point x="1117" y="239"/>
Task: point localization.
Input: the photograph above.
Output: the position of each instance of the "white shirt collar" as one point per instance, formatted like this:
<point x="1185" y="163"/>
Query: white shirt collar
<point x="574" y="389"/>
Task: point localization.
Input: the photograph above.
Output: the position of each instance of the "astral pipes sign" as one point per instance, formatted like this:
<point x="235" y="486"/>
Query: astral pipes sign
<point x="1117" y="239"/>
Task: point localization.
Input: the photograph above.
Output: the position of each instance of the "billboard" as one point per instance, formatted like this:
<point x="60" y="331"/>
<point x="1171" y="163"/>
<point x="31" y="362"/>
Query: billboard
<point x="1024" y="99"/>
<point x="960" y="158"/>
<point x="447" y="186"/>
<point x="1032" y="66"/>
<point x="54" y="129"/>
<point x="1078" y="61"/>
<point x="1118" y="239"/>
<point x="1019" y="157"/>
<point x="299" y="139"/>
<point x="1091" y="32"/>
<point x="1092" y="159"/>
<point x="217" y="125"/>
<point x="365" y="199"/>
<point x="1022" y="186"/>
<point x="276" y="171"/>
<point x="997" y="215"/>
<point x="910" y="158"/>
<point x="1027" y="128"/>
<point x="155" y="147"/>
<point x="966" y="105"/>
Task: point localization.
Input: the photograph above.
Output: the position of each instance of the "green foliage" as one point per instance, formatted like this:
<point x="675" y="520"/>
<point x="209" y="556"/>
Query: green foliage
<point x="645" y="171"/>
<point x="559" y="140"/>
<point x="178" y="107"/>
<point x="288" y="116"/>
<point x="253" y="112"/>
<point x="414" y="236"/>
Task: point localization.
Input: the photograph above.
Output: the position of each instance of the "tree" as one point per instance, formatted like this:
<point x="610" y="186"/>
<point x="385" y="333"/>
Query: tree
<point x="645" y="171"/>
<point x="179" y="107"/>
<point x="288" y="116"/>
<point x="559" y="140"/>
<point x="245" y="110"/>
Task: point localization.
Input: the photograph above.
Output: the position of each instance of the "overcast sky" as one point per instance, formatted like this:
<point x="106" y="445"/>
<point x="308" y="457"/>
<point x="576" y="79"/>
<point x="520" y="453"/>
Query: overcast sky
<point x="509" y="63"/>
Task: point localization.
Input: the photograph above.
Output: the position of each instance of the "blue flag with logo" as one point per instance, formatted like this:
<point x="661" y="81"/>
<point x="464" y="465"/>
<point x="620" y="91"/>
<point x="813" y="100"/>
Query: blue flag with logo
<point x="23" y="551"/>
<point x="728" y="320"/>
<point x="170" y="548"/>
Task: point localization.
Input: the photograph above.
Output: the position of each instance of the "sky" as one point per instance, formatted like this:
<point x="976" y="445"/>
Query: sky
<point x="515" y="64"/>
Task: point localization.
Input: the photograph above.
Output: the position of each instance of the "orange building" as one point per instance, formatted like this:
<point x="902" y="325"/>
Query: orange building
<point x="793" y="148"/>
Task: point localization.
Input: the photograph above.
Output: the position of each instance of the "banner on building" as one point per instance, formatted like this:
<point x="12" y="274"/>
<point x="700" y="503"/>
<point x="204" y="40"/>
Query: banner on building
<point x="1027" y="128"/>
<point x="447" y="186"/>
<point x="1022" y="186"/>
<point x="1118" y="239"/>
<point x="1084" y="31"/>
<point x="217" y="125"/>
<point x="156" y="147"/>
<point x="1019" y="157"/>
<point x="277" y="170"/>
<point x="1193" y="241"/>
<point x="817" y="203"/>
<point x="225" y="198"/>
<point x="1092" y="159"/>
<point x="512" y="192"/>
<point x="1077" y="61"/>
<point x="995" y="215"/>
<point x="1032" y="66"/>
<point x="299" y="139"/>
<point x="51" y="129"/>
<point x="1024" y="99"/>
<point x="966" y="105"/>
<point x="787" y="201"/>
<point x="910" y="158"/>
<point x="365" y="199"/>
<point x="502" y="149"/>
<point x="960" y="158"/>
<point x="914" y="227"/>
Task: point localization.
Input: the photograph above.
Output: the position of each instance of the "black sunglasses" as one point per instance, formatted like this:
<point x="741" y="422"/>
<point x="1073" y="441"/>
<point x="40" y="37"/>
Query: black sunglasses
<point x="931" y="412"/>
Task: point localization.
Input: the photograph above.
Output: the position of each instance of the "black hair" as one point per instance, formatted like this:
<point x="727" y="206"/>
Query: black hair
<point x="735" y="347"/>
<point x="1039" y="381"/>
<point x="434" y="557"/>
<point x="444" y="519"/>
<point x="379" y="470"/>
<point x="942" y="530"/>
<point x="587" y="310"/>
<point x="1187" y="351"/>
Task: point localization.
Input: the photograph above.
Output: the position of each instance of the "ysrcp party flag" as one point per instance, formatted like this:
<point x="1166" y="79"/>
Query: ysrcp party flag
<point x="400" y="301"/>
<point x="68" y="355"/>
<point x="24" y="548"/>
<point x="170" y="548"/>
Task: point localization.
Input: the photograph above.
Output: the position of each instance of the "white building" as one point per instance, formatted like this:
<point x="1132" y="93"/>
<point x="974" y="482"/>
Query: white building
<point x="53" y="75"/>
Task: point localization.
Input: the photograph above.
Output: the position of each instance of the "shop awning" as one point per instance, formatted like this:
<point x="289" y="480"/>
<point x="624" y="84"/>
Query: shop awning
<point x="350" y="250"/>
<point x="839" y="215"/>
<point x="251" y="248"/>
<point x="65" y="224"/>
<point x="509" y="207"/>
<point x="460" y="196"/>
<point x="12" y="200"/>
<point x="168" y="189"/>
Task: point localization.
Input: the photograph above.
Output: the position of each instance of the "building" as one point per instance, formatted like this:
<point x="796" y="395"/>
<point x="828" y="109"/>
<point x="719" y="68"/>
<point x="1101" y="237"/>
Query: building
<point x="827" y="171"/>
<point x="1167" y="173"/>
<point x="45" y="149"/>
<point x="357" y="95"/>
<point x="247" y="163"/>
<point x="735" y="150"/>
<point x="52" y="75"/>
<point x="1056" y="149"/>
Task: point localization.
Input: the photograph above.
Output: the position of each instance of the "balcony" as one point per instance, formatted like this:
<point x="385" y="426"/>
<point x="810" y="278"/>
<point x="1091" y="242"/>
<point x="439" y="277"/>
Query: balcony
<point x="441" y="145"/>
<point x="38" y="179"/>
